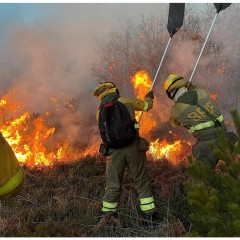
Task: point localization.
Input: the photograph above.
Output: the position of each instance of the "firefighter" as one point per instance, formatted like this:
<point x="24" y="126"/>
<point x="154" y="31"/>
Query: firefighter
<point x="198" y="113"/>
<point x="11" y="173"/>
<point x="132" y="156"/>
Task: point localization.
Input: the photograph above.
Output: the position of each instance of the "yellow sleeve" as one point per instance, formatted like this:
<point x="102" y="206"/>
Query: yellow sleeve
<point x="138" y="104"/>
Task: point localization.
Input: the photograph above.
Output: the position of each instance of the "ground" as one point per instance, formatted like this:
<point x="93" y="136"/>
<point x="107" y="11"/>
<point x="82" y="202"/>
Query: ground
<point x="65" y="201"/>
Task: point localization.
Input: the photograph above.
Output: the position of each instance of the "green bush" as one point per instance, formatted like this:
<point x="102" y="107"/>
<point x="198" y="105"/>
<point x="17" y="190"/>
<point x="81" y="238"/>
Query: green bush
<point x="214" y="195"/>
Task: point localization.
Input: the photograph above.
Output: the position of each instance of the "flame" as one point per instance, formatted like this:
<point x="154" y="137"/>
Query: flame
<point x="158" y="149"/>
<point x="32" y="141"/>
<point x="27" y="136"/>
<point x="213" y="96"/>
<point x="142" y="83"/>
<point x="35" y="143"/>
<point x="163" y="149"/>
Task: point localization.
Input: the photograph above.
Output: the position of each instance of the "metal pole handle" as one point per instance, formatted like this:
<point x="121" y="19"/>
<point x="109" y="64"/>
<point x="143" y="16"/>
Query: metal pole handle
<point x="190" y="79"/>
<point x="159" y="67"/>
<point x="160" y="64"/>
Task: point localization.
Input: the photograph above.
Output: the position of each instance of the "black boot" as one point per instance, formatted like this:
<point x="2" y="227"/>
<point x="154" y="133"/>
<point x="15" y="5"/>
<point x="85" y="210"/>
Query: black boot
<point x="151" y="218"/>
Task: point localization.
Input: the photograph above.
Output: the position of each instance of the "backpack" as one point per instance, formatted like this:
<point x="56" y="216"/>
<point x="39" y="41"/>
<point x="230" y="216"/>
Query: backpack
<point x="115" y="124"/>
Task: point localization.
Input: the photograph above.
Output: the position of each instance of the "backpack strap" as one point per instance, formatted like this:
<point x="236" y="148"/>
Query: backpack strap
<point x="109" y="104"/>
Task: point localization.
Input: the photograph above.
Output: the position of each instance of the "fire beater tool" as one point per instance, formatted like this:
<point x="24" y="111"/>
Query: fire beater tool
<point x="175" y="22"/>
<point x="219" y="7"/>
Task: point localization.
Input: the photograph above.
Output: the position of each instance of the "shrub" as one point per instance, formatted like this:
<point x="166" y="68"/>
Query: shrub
<point x="213" y="196"/>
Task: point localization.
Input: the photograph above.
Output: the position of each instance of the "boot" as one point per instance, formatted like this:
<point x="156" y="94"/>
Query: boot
<point x="151" y="218"/>
<point x="109" y="219"/>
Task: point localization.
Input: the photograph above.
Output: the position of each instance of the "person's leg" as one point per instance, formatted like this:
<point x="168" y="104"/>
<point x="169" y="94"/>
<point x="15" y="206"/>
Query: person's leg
<point x="137" y="165"/>
<point x="114" y="178"/>
<point x="202" y="152"/>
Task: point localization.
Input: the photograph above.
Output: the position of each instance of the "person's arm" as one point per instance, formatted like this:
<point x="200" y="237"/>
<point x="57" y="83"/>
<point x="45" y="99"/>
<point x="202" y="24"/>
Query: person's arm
<point x="139" y="104"/>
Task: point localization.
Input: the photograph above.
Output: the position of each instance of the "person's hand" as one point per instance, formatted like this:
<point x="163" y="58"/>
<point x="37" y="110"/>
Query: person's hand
<point x="150" y="95"/>
<point x="190" y="86"/>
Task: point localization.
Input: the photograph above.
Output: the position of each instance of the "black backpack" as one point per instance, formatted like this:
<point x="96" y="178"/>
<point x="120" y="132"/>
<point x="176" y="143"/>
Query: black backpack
<point x="115" y="125"/>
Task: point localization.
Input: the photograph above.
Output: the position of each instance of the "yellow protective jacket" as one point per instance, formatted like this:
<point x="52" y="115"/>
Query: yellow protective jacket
<point x="11" y="173"/>
<point x="186" y="112"/>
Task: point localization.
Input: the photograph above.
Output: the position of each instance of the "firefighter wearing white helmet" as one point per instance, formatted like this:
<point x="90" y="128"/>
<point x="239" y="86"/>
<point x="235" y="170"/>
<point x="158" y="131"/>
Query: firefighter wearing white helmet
<point x="198" y="113"/>
<point x="129" y="153"/>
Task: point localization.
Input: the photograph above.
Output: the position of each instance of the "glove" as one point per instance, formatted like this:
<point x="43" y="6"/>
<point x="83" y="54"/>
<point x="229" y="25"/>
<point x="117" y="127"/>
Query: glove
<point x="150" y="95"/>
<point x="190" y="86"/>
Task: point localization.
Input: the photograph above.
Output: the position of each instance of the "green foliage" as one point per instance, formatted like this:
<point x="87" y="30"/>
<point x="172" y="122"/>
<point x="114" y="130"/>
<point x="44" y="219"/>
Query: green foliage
<point x="213" y="195"/>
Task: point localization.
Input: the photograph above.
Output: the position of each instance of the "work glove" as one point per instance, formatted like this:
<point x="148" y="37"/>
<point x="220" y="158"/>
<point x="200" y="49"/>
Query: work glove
<point x="150" y="95"/>
<point x="190" y="86"/>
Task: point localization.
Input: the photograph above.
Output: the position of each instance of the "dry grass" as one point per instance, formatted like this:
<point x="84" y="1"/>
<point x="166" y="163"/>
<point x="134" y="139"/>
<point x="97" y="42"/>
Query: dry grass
<point x="65" y="201"/>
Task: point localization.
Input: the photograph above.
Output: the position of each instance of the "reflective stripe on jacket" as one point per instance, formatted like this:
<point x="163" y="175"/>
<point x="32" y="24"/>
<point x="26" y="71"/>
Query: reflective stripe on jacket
<point x="12" y="183"/>
<point x="204" y="125"/>
<point x="185" y="112"/>
<point x="11" y="173"/>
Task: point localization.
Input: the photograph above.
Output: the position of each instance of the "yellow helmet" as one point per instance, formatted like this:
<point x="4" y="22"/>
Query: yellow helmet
<point x="173" y="82"/>
<point x="104" y="89"/>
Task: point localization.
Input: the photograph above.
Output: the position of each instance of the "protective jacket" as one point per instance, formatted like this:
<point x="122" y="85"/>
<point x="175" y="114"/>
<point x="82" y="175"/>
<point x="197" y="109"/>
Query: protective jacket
<point x="129" y="156"/>
<point x="197" y="112"/>
<point x="11" y="173"/>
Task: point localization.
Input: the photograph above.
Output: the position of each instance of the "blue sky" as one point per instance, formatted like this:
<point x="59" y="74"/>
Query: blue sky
<point x="26" y="13"/>
<point x="37" y="13"/>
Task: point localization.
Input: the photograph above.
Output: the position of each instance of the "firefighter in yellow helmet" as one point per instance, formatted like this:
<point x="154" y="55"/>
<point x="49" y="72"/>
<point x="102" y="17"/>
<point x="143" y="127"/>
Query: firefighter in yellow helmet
<point x="115" y="111"/>
<point x="199" y="114"/>
<point x="11" y="173"/>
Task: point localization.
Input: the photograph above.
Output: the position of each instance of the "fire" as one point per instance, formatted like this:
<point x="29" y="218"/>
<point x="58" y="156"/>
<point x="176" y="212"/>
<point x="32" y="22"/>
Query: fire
<point x="158" y="149"/>
<point x="33" y="141"/>
<point x="142" y="83"/>
<point x="213" y="96"/>
<point x="27" y="138"/>
<point x="37" y="144"/>
<point x="163" y="149"/>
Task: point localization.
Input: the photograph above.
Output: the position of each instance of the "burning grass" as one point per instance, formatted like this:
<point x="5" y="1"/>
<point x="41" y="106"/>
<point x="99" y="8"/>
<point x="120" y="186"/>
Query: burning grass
<point x="64" y="200"/>
<point x="37" y="139"/>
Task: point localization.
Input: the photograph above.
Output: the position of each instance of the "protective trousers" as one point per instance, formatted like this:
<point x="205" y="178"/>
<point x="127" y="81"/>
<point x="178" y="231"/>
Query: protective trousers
<point x="202" y="151"/>
<point x="136" y="161"/>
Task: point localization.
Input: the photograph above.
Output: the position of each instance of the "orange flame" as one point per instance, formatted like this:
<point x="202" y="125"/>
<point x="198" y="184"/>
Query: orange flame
<point x="163" y="149"/>
<point x="26" y="137"/>
<point x="34" y="143"/>
<point x="158" y="149"/>
<point x="213" y="96"/>
<point x="142" y="83"/>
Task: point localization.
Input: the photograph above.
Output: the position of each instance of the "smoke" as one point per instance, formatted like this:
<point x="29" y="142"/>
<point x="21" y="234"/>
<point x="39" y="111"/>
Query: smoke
<point x="45" y="61"/>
